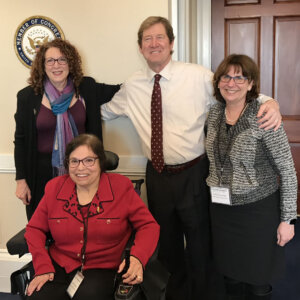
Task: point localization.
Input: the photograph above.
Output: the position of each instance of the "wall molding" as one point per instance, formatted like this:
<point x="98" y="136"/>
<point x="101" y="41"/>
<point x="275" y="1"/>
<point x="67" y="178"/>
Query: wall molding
<point x="128" y="165"/>
<point x="7" y="164"/>
<point x="131" y="165"/>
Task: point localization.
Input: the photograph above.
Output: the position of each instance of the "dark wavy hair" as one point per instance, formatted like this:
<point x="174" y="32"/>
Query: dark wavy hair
<point x="92" y="142"/>
<point x="38" y="74"/>
<point x="242" y="63"/>
<point x="150" y="21"/>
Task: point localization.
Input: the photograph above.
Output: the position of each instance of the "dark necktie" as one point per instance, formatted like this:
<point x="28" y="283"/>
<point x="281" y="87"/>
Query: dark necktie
<point x="157" y="156"/>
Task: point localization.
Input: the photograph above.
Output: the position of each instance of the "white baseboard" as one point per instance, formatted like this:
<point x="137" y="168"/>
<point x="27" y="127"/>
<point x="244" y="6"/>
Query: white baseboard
<point x="8" y="264"/>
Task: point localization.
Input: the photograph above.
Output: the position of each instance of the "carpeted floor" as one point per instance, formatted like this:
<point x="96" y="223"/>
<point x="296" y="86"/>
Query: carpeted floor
<point x="5" y="296"/>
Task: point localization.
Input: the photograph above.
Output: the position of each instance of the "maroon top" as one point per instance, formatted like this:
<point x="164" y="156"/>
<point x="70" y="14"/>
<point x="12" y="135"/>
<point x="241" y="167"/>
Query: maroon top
<point x="46" y="125"/>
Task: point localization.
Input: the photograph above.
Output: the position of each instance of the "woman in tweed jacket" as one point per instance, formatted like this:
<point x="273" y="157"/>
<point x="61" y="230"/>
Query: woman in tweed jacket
<point x="253" y="184"/>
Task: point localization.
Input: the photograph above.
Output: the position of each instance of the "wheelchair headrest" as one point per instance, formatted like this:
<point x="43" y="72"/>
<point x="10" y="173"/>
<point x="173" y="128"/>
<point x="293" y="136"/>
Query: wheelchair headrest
<point x="112" y="160"/>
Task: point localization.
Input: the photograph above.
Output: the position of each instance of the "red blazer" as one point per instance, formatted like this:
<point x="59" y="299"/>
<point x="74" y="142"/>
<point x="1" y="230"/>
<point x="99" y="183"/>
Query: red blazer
<point x="115" y="211"/>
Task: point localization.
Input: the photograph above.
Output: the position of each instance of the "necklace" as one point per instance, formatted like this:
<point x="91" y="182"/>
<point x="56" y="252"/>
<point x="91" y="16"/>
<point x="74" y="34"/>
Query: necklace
<point x="234" y="120"/>
<point x="230" y="120"/>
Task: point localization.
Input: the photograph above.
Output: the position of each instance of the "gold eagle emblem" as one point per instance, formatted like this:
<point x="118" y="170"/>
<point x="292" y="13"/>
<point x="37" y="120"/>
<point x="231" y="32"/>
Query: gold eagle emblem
<point x="36" y="43"/>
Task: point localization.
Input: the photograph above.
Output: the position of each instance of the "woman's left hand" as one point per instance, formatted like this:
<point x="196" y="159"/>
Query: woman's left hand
<point x="285" y="233"/>
<point x="271" y="115"/>
<point x="134" y="274"/>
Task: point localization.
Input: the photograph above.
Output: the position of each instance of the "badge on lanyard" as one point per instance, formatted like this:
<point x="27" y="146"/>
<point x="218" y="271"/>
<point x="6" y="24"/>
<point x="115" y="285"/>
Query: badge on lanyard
<point x="78" y="278"/>
<point x="220" y="194"/>
<point x="75" y="283"/>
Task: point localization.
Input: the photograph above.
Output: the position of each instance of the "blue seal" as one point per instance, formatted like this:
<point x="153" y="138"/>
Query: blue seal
<point x="31" y="34"/>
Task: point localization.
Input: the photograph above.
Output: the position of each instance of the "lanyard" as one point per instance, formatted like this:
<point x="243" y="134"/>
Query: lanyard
<point x="85" y="231"/>
<point x="224" y="159"/>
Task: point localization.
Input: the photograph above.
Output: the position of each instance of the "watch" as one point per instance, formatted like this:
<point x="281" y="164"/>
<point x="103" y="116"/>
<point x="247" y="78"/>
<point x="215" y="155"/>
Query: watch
<point x="291" y="222"/>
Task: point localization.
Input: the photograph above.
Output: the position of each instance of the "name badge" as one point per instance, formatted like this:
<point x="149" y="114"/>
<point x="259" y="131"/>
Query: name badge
<point x="75" y="283"/>
<point x="220" y="194"/>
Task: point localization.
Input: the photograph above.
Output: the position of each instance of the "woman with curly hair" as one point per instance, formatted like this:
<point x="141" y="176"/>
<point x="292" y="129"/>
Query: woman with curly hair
<point x="59" y="104"/>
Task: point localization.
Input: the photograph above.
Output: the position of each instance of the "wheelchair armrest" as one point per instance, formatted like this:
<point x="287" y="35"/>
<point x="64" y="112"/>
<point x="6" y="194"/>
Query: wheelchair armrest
<point x="20" y="279"/>
<point x="17" y="244"/>
<point x="130" y="243"/>
<point x="112" y="160"/>
<point x="155" y="274"/>
<point x="137" y="183"/>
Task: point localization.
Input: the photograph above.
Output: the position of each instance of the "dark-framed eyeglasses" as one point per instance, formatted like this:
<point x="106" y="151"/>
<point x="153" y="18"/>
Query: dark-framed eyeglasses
<point x="51" y="61"/>
<point x="87" y="162"/>
<point x="237" y="79"/>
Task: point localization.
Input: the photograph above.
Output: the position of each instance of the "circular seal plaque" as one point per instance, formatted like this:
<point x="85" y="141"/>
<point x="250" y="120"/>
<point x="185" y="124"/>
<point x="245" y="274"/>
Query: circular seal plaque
<point x="31" y="34"/>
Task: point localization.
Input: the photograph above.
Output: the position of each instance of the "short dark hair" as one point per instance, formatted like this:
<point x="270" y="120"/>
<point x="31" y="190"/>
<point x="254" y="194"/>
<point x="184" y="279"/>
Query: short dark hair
<point x="92" y="142"/>
<point x="150" y="21"/>
<point x="242" y="63"/>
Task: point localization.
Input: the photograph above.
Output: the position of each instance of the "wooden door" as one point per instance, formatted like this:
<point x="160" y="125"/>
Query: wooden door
<point x="269" y="32"/>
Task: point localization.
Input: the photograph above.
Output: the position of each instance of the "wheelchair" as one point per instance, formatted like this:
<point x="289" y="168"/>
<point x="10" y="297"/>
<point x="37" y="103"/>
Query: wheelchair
<point x="17" y="246"/>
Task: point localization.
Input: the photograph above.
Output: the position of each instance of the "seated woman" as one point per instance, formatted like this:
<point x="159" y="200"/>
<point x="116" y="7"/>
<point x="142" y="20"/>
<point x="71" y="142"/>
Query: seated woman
<point x="91" y="215"/>
<point x="252" y="212"/>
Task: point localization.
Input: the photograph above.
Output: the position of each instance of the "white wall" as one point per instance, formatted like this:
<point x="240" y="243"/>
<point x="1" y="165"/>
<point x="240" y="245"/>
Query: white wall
<point x="105" y="33"/>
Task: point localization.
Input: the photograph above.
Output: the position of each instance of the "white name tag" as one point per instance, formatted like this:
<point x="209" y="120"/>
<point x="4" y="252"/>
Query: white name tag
<point x="75" y="283"/>
<point x="220" y="195"/>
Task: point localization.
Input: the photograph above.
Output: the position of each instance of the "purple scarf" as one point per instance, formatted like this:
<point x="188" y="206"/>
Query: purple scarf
<point x="66" y="128"/>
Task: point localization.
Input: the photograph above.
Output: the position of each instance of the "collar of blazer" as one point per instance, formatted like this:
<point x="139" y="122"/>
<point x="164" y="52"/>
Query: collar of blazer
<point x="68" y="194"/>
<point x="241" y="125"/>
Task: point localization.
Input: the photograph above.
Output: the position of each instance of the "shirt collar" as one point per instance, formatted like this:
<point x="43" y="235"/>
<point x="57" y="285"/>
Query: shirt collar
<point x="166" y="72"/>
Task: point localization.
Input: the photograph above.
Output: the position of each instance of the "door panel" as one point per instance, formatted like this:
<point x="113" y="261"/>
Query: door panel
<point x="267" y="31"/>
<point x="234" y="2"/>
<point x="286" y="67"/>
<point x="284" y="1"/>
<point x="243" y="36"/>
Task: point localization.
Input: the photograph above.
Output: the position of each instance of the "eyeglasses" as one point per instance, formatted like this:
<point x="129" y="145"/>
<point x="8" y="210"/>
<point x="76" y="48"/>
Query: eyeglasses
<point x="87" y="162"/>
<point x="236" y="79"/>
<point x="51" y="61"/>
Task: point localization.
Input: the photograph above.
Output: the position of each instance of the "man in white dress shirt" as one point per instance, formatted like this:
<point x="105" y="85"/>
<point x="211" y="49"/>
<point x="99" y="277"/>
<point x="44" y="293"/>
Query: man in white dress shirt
<point x="178" y="196"/>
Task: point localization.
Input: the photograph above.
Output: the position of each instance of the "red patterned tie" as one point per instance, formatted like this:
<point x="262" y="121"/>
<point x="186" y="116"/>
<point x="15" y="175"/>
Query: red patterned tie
<point x="157" y="156"/>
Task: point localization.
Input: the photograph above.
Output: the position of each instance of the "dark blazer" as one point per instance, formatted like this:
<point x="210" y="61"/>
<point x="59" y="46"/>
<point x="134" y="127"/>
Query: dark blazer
<point x="28" y="106"/>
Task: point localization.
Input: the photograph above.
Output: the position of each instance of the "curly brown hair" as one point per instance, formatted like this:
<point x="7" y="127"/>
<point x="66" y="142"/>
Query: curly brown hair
<point x="38" y="74"/>
<point x="248" y="68"/>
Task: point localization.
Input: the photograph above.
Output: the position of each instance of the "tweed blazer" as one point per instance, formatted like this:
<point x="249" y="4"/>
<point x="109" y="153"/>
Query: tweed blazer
<point x="252" y="160"/>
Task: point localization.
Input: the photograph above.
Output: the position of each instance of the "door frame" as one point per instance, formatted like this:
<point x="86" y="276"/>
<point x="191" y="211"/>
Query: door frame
<point x="191" y="21"/>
